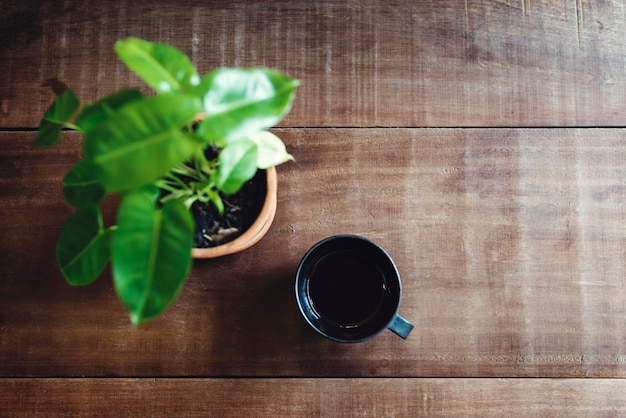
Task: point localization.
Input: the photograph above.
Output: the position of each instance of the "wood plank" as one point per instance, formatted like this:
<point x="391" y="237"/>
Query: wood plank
<point x="477" y="63"/>
<point x="313" y="397"/>
<point x="510" y="242"/>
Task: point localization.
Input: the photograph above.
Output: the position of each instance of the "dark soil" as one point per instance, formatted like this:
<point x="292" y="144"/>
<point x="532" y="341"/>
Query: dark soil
<point x="240" y="211"/>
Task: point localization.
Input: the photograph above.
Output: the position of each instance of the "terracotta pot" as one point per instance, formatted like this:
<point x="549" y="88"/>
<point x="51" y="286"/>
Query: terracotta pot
<point x="256" y="231"/>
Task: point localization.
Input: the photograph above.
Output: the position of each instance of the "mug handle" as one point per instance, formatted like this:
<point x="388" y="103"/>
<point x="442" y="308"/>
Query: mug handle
<point x="400" y="326"/>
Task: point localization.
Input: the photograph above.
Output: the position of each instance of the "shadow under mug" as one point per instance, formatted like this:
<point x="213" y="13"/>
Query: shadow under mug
<point x="348" y="290"/>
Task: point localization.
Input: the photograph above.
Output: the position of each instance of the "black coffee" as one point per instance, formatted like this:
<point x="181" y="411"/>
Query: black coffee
<point x="346" y="288"/>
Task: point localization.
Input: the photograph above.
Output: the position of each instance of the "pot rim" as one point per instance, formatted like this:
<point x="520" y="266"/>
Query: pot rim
<point x="257" y="230"/>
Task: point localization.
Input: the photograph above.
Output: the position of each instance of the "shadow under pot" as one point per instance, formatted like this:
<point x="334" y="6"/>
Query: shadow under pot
<point x="248" y="215"/>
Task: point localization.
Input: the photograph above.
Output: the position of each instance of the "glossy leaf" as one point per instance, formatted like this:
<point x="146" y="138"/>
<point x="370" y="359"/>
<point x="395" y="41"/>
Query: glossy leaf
<point x="93" y="114"/>
<point x="151" y="253"/>
<point x="81" y="187"/>
<point x="163" y="67"/>
<point x="84" y="247"/>
<point x="237" y="165"/>
<point x="142" y="141"/>
<point x="238" y="102"/>
<point x="271" y="150"/>
<point x="56" y="118"/>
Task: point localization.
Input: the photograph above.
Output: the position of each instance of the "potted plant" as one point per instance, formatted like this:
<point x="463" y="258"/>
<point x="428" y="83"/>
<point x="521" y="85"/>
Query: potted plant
<point x="197" y="141"/>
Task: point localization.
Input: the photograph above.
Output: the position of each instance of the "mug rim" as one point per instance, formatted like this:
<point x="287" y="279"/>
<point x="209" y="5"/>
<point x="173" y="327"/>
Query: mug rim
<point x="306" y="308"/>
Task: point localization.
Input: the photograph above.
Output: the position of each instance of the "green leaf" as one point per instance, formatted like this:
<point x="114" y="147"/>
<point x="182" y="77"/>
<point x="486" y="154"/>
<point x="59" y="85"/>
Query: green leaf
<point x="56" y="118"/>
<point x="151" y="253"/>
<point x="271" y="150"/>
<point x="163" y="67"/>
<point x="237" y="164"/>
<point x="81" y="187"/>
<point x="93" y="114"/>
<point x="243" y="101"/>
<point x="84" y="247"/>
<point x="217" y="201"/>
<point x="142" y="141"/>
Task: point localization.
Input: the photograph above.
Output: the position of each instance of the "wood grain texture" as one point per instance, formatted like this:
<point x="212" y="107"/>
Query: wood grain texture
<point x="312" y="397"/>
<point x="509" y="235"/>
<point x="387" y="63"/>
<point x="510" y="243"/>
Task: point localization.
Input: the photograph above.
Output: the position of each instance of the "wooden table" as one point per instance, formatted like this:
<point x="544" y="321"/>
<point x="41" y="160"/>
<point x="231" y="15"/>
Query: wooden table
<point x="480" y="142"/>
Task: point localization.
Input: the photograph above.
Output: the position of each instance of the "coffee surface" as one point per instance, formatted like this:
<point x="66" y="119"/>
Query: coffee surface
<point x="346" y="288"/>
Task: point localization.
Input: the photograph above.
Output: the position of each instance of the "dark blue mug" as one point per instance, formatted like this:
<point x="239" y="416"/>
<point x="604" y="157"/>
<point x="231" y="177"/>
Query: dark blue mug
<point x="348" y="289"/>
